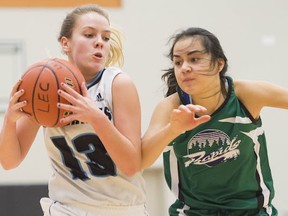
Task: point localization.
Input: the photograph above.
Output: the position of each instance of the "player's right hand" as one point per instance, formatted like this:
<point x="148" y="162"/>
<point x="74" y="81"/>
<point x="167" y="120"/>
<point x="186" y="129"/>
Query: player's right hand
<point x="184" y="118"/>
<point x="14" y="110"/>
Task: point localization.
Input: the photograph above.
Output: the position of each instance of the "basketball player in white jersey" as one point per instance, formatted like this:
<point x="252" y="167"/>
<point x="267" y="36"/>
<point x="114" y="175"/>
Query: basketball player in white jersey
<point x="96" y="156"/>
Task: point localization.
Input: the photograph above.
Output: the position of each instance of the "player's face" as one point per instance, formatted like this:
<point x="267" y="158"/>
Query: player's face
<point x="90" y="43"/>
<point x="192" y="65"/>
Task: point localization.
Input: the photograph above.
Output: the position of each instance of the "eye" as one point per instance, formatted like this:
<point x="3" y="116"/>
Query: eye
<point x="177" y="63"/>
<point x="88" y="35"/>
<point x="105" y="38"/>
<point x="195" y="60"/>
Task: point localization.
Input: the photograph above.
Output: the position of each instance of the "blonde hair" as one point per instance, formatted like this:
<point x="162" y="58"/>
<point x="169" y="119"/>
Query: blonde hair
<point x="116" y="56"/>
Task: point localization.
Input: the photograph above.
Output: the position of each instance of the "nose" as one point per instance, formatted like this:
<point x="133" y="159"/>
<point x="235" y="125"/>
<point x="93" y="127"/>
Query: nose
<point x="98" y="43"/>
<point x="186" y="67"/>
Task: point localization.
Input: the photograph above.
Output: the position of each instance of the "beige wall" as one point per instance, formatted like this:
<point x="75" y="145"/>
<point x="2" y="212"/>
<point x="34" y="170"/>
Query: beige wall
<point x="253" y="34"/>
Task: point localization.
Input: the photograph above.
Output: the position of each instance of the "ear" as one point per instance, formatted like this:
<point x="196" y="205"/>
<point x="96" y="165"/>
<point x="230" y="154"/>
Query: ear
<point x="221" y="64"/>
<point x="65" y="43"/>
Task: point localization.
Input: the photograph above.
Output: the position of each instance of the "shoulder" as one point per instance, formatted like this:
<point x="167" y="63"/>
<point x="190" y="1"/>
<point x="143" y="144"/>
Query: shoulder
<point x="117" y="76"/>
<point x="122" y="80"/>
<point x="123" y="87"/>
<point x="248" y="88"/>
<point x="254" y="94"/>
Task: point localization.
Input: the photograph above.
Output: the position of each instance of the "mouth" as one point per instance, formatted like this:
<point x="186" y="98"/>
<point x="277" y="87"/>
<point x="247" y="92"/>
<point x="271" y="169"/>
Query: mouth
<point x="188" y="79"/>
<point x="98" y="55"/>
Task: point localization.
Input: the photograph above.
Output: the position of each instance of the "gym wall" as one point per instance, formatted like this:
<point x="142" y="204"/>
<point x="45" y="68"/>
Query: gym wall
<point x="253" y="35"/>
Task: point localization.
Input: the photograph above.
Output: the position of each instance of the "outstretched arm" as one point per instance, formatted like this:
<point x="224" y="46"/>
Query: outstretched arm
<point x="168" y="121"/>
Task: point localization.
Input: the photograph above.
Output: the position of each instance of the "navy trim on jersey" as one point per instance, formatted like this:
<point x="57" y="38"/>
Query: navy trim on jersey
<point x="96" y="79"/>
<point x="184" y="97"/>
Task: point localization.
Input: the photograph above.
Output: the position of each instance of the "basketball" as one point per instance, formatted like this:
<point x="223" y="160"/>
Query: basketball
<point x="41" y="82"/>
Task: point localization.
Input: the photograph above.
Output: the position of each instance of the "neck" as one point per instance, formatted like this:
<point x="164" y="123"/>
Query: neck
<point x="211" y="95"/>
<point x="211" y="102"/>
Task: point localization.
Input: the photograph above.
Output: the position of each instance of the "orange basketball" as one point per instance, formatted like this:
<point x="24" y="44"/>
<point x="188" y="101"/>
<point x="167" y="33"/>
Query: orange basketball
<point x="41" y="82"/>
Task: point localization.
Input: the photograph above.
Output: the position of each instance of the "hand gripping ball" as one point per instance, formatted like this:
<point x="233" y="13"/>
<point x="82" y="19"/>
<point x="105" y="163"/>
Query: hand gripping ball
<point x="41" y="82"/>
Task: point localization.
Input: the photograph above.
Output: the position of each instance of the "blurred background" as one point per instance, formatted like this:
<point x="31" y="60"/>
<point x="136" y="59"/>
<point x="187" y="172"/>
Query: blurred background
<point x="253" y="34"/>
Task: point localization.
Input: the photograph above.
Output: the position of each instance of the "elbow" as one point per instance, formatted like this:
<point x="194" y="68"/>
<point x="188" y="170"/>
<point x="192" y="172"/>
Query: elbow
<point x="9" y="166"/>
<point x="130" y="173"/>
<point x="146" y="165"/>
<point x="10" y="161"/>
<point x="132" y="169"/>
<point x="6" y="165"/>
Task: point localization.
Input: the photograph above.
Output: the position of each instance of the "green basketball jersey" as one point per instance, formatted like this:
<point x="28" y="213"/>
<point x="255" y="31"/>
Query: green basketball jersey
<point x="221" y="164"/>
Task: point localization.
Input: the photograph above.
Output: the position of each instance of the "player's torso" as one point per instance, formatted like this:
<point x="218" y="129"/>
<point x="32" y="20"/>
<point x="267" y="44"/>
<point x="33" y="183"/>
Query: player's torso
<point x="82" y="166"/>
<point x="216" y="159"/>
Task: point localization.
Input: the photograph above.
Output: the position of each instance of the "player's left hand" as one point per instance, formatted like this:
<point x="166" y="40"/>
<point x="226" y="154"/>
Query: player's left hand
<point x="81" y="106"/>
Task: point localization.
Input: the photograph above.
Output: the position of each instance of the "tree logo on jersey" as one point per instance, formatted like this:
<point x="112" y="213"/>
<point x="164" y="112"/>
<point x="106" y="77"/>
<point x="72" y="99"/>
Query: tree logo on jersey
<point x="211" y="147"/>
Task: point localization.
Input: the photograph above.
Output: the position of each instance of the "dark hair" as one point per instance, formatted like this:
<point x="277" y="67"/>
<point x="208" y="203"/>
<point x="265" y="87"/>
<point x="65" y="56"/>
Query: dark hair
<point x="211" y="45"/>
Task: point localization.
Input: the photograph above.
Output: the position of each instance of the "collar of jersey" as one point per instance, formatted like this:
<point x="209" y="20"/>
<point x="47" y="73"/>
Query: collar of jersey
<point x="96" y="79"/>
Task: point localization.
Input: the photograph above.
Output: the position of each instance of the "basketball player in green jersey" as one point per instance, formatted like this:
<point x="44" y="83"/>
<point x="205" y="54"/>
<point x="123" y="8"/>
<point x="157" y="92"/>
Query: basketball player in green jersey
<point x="210" y="132"/>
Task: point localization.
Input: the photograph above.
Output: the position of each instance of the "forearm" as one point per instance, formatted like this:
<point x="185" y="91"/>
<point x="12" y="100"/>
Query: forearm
<point x="125" y="153"/>
<point x="10" y="152"/>
<point x="154" y="144"/>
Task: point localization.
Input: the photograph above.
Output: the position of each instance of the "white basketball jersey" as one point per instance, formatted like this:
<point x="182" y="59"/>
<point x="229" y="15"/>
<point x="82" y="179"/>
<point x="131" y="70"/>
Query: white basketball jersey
<point x="84" y="175"/>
